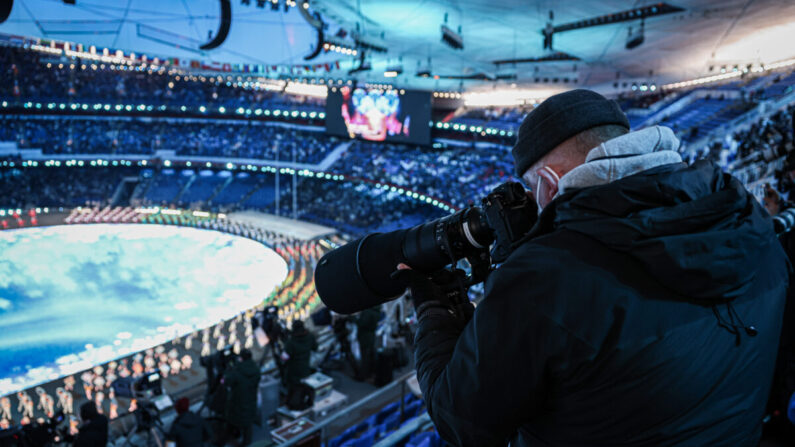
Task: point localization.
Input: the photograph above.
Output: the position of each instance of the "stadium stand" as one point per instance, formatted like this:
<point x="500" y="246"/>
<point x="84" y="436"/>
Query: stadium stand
<point x="459" y="175"/>
<point x="702" y="115"/>
<point x="35" y="76"/>
<point x="215" y="138"/>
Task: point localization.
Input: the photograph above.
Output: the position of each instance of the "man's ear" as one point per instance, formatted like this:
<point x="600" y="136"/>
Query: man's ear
<point x="551" y="178"/>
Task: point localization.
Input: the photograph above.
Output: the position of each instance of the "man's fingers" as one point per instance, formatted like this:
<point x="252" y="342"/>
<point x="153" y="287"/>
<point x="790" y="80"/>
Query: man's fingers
<point x="403" y="266"/>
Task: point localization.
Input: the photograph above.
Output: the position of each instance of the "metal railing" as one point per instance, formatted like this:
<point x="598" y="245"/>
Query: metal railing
<point x="322" y="426"/>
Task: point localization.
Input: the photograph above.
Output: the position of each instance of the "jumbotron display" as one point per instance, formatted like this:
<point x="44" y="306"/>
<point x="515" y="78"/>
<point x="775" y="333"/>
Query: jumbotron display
<point x="399" y="116"/>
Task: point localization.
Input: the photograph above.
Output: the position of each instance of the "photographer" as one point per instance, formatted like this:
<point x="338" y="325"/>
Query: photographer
<point x="94" y="430"/>
<point x="643" y="308"/>
<point x="188" y="429"/>
<point x="242" y="382"/>
<point x="298" y="349"/>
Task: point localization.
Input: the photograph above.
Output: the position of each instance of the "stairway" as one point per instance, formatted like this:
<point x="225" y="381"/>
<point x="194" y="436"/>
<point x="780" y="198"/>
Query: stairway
<point x="184" y="189"/>
<point x="125" y="191"/>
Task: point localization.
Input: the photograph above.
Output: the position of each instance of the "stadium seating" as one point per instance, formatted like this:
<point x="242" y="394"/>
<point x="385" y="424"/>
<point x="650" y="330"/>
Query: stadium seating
<point x="384" y="422"/>
<point x="212" y="138"/>
<point x="460" y="176"/>
<point x="35" y="76"/>
<point x="703" y="115"/>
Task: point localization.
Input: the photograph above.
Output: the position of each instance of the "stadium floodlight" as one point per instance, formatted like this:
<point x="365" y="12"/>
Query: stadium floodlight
<point x="635" y="39"/>
<point x="453" y="39"/>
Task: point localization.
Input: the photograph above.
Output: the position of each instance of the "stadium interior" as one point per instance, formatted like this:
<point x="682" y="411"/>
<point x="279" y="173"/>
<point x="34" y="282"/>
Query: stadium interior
<point x="301" y="125"/>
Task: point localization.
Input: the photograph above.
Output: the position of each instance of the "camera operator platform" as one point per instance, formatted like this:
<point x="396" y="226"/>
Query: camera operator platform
<point x="643" y="306"/>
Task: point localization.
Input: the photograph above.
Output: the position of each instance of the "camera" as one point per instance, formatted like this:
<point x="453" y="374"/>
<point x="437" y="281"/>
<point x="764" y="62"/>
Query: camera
<point x="144" y="387"/>
<point x="358" y="275"/>
<point x="215" y="365"/>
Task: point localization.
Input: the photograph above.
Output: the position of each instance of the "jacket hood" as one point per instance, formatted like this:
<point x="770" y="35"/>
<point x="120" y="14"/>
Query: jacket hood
<point x="623" y="156"/>
<point x="692" y="228"/>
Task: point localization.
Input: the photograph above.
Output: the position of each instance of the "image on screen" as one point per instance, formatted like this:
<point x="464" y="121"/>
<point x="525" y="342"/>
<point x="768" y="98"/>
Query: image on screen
<point x="379" y="115"/>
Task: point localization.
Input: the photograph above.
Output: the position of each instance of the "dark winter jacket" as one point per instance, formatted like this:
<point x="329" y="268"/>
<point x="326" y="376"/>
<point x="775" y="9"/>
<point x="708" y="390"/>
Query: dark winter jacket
<point x="780" y="426"/>
<point x="642" y="312"/>
<point x="242" y="383"/>
<point x="94" y="433"/>
<point x="299" y="347"/>
<point x="189" y="430"/>
<point x="367" y="324"/>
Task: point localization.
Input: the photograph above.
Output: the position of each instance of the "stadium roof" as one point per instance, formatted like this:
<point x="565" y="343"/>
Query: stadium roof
<point x="678" y="45"/>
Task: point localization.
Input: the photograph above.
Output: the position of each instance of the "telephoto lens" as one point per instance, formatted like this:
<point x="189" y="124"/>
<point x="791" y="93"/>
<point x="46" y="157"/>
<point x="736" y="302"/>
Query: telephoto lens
<point x="357" y="275"/>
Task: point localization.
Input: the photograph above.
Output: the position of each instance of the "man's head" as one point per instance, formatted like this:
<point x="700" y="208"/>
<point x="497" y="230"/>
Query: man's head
<point x="245" y="354"/>
<point x="558" y="134"/>
<point x="88" y="411"/>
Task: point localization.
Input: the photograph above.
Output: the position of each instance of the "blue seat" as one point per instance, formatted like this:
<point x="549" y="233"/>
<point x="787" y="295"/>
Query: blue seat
<point x="335" y="442"/>
<point x="368" y="438"/>
<point x="406" y="421"/>
<point x="386" y="411"/>
<point x="359" y="428"/>
<point x="419" y="439"/>
<point x="412" y="409"/>
<point x="340" y="440"/>
<point x="371" y="421"/>
<point x="392" y="421"/>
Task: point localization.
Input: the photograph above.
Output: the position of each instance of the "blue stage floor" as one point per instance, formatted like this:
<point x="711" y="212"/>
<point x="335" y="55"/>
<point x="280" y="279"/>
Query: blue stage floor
<point x="75" y="296"/>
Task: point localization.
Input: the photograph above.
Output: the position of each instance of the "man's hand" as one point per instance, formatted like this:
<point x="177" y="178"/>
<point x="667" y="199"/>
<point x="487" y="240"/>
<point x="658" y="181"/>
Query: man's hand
<point x="444" y="289"/>
<point x="772" y="200"/>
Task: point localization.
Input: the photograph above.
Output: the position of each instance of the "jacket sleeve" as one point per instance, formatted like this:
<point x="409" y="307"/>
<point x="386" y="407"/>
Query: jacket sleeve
<point x="483" y="379"/>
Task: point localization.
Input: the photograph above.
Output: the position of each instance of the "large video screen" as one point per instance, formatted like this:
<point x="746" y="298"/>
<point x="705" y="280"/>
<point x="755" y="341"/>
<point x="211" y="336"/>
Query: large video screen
<point x="379" y="115"/>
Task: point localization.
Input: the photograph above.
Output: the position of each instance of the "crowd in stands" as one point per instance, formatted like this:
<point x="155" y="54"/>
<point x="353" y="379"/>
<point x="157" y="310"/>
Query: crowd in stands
<point x="703" y="115"/>
<point x="757" y="151"/>
<point x="459" y="175"/>
<point x="218" y="139"/>
<point x="356" y="208"/>
<point x="215" y="138"/>
<point x="35" y="76"/>
<point x="353" y="207"/>
<point x="499" y="117"/>
<point x="52" y="187"/>
<point x="709" y="113"/>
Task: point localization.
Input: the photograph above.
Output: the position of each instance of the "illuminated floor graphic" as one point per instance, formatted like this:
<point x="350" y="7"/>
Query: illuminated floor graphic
<point x="78" y="295"/>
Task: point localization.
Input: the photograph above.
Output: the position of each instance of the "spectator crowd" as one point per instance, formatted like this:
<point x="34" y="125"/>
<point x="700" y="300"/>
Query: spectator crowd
<point x="212" y="138"/>
<point x="42" y="77"/>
